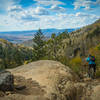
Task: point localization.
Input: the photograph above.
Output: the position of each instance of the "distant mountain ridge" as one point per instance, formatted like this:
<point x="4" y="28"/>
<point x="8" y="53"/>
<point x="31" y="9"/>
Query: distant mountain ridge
<point x="31" y="31"/>
<point x="21" y="36"/>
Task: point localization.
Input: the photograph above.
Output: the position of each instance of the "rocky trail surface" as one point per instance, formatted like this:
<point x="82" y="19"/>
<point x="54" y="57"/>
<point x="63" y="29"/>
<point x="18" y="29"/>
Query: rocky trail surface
<point x="92" y="89"/>
<point x="50" y="80"/>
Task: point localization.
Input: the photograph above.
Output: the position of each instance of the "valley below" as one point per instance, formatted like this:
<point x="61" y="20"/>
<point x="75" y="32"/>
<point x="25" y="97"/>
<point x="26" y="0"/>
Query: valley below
<point x="24" y="36"/>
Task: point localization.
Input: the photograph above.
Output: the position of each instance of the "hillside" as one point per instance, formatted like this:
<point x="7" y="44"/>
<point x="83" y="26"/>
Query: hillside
<point x="12" y="55"/>
<point x="86" y="38"/>
<point x="78" y="41"/>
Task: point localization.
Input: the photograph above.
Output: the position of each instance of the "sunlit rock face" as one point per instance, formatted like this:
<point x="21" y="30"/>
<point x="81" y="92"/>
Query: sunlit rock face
<point x="6" y="81"/>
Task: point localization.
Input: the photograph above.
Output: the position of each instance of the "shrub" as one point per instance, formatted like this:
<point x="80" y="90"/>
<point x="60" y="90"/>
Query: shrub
<point x="76" y="61"/>
<point x="75" y="64"/>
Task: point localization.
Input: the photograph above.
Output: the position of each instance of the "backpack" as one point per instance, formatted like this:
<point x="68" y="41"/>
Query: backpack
<point x="92" y="58"/>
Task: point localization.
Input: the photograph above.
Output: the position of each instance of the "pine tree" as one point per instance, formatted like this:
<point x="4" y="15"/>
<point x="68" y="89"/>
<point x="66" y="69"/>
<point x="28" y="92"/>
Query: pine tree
<point x="38" y="45"/>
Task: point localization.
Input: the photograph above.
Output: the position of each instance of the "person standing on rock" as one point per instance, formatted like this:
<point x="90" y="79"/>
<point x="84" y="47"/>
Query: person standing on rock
<point x="91" y="61"/>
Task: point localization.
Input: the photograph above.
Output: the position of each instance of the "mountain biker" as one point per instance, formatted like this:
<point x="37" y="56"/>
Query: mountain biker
<point x="91" y="61"/>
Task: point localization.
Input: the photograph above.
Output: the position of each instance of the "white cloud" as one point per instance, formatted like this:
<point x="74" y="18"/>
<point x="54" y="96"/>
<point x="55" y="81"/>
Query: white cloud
<point x="57" y="8"/>
<point x="15" y="8"/>
<point x="91" y="16"/>
<point x="41" y="11"/>
<point x="65" y="20"/>
<point x="60" y="20"/>
<point x="82" y="3"/>
<point x="79" y="14"/>
<point x="49" y="2"/>
<point x="85" y="4"/>
<point x="29" y="13"/>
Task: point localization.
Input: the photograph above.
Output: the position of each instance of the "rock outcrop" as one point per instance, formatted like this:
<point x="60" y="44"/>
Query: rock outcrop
<point x="6" y="81"/>
<point x="58" y="81"/>
<point x="46" y="73"/>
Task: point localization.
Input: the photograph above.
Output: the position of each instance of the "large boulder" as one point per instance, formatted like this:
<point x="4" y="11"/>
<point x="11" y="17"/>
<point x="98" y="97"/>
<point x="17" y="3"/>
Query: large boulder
<point x="55" y="78"/>
<point x="6" y="81"/>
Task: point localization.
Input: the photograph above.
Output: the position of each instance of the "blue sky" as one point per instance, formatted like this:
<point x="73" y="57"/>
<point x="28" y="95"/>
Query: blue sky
<point x="17" y="15"/>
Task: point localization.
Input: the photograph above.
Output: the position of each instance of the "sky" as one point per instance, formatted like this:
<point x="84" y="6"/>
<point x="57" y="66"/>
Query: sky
<point x="19" y="15"/>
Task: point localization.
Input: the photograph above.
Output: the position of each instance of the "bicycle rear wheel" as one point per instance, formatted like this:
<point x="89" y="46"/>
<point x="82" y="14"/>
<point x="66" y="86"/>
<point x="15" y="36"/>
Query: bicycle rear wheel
<point x="91" y="73"/>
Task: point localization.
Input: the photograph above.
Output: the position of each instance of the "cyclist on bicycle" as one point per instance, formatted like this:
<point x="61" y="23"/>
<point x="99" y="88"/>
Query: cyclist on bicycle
<point x="91" y="61"/>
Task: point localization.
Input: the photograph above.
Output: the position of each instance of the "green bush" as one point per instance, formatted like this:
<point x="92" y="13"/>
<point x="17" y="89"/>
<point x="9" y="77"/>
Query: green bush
<point x="75" y="64"/>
